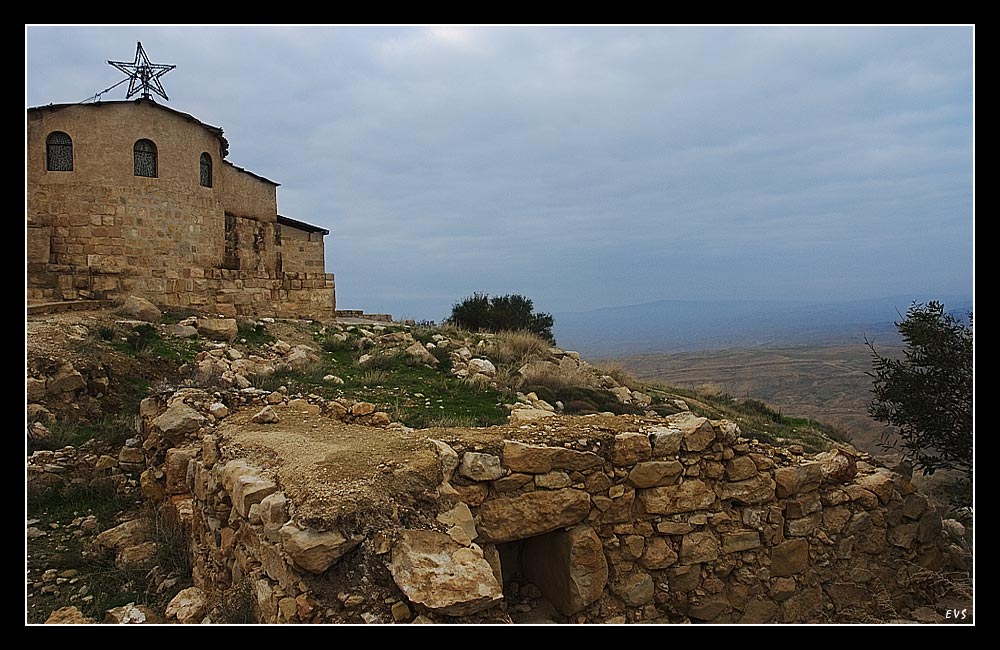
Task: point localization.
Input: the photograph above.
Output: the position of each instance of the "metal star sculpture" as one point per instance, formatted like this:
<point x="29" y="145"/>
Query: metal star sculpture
<point x="143" y="75"/>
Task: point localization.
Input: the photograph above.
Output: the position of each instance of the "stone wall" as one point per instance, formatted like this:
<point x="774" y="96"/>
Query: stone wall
<point x="684" y="521"/>
<point x="302" y="252"/>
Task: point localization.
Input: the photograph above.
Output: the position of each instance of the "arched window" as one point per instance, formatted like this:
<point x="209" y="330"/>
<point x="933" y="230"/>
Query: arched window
<point x="206" y="170"/>
<point x="59" y="152"/>
<point x="144" y="156"/>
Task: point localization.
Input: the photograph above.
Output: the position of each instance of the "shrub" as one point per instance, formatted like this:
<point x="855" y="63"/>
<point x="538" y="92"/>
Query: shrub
<point x="558" y="377"/>
<point x="517" y="347"/>
<point x="479" y="312"/>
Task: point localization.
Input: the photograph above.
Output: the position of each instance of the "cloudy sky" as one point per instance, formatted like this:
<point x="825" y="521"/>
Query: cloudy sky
<point x="584" y="166"/>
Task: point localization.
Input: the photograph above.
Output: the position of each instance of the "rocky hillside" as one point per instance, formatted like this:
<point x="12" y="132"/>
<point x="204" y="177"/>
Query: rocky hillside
<point x="108" y="465"/>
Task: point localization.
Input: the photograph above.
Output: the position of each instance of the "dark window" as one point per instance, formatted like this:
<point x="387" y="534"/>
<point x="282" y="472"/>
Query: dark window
<point x="206" y="170"/>
<point x="144" y="155"/>
<point x="58" y="152"/>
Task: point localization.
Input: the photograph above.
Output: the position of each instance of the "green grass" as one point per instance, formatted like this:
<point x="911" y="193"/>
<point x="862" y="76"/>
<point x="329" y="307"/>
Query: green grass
<point x="253" y="334"/>
<point x="175" y="315"/>
<point x="144" y="341"/>
<point x="111" y="430"/>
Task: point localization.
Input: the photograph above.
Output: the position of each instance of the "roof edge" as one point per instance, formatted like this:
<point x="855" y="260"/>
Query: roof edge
<point x="301" y="225"/>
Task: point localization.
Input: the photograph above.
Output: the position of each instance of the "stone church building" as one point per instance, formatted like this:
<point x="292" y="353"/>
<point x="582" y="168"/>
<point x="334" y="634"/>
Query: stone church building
<point x="133" y="197"/>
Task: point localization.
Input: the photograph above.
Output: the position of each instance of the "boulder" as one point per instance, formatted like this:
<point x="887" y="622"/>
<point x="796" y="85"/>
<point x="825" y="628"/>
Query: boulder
<point x="188" y="606"/>
<point x="448" y="578"/>
<point x="659" y="554"/>
<point x="697" y="431"/>
<point x="838" y="466"/>
<point x="265" y="416"/>
<point x="539" y="459"/>
<point x="568" y="566"/>
<point x="180" y="331"/>
<point x="670" y="499"/>
<point x="630" y="448"/>
<point x="419" y="354"/>
<point x="312" y="550"/>
<point x="654" y="473"/>
<point x="218" y="329"/>
<point x="65" y="380"/>
<point x="532" y="513"/>
<point x="798" y="478"/>
<point x="757" y="489"/>
<point x="482" y="367"/>
<point x="131" y="614"/>
<point x="635" y="589"/>
<point x="122" y="536"/>
<point x="699" y="547"/>
<point x="141" y="309"/>
<point x="67" y="616"/>
<point x="480" y="467"/>
<point x="789" y="558"/>
<point x="178" y="420"/>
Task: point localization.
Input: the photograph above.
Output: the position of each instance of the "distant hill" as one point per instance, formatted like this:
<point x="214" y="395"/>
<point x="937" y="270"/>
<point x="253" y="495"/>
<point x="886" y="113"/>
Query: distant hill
<point x="668" y="326"/>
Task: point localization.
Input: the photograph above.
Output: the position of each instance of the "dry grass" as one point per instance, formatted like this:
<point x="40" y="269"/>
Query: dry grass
<point x="619" y="374"/>
<point x="557" y="377"/>
<point x="517" y="348"/>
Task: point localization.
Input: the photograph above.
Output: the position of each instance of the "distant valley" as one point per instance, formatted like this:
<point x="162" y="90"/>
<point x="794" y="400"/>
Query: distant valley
<point x="807" y="358"/>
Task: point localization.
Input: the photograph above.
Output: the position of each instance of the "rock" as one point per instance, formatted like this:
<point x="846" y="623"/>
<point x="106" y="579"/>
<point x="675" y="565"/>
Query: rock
<point x="67" y="616"/>
<point x="482" y="367"/>
<point x="302" y="406"/>
<point x="708" y="609"/>
<point x="249" y="490"/>
<point x="400" y="612"/>
<point x="151" y="488"/>
<point x="434" y="571"/>
<point x="655" y="473"/>
<point x="362" y="408"/>
<point x="35" y="389"/>
<point x="880" y="483"/>
<point x="789" y="558"/>
<point x="914" y="505"/>
<point x="300" y="358"/>
<point x="218" y="329"/>
<point x="275" y="398"/>
<point x="188" y="606"/>
<point x="642" y="400"/>
<point x="636" y="589"/>
<point x="448" y="458"/>
<point x="837" y="466"/>
<point x="804" y="525"/>
<point x="699" y="547"/>
<point x="65" y="380"/>
<point x="265" y="416"/>
<point x="175" y="466"/>
<point x="553" y="480"/>
<point x="180" y="331"/>
<point x="179" y="420"/>
<point x="798" y="478"/>
<point x="141" y="309"/>
<point x="623" y="394"/>
<point x="742" y="541"/>
<point x="659" y="554"/>
<point x="131" y="614"/>
<point x="670" y="499"/>
<point x="480" y="467"/>
<point x="419" y="354"/>
<point x="666" y="441"/>
<point x="218" y="410"/>
<point x="460" y="516"/>
<point x="740" y="468"/>
<point x="526" y="415"/>
<point x="697" y="431"/>
<point x="333" y="379"/>
<point x="759" y="611"/>
<point x="929" y="527"/>
<point x="630" y="448"/>
<point x="569" y="566"/>
<point x="802" y="505"/>
<point x="121" y="536"/>
<point x="131" y="456"/>
<point x="532" y="513"/>
<point x="137" y="556"/>
<point x="312" y="550"/>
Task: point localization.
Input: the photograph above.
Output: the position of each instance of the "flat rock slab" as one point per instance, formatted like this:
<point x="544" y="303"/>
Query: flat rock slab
<point x="532" y="513"/>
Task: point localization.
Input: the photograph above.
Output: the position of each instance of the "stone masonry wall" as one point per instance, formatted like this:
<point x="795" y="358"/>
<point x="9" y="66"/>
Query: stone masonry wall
<point x="302" y="252"/>
<point x="99" y="231"/>
<point x="684" y="521"/>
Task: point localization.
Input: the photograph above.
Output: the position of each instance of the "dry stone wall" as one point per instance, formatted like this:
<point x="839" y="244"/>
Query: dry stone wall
<point x="680" y="521"/>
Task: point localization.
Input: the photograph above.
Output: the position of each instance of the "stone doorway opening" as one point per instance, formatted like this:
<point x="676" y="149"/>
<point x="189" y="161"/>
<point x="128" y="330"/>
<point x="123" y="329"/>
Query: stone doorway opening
<point x="552" y="575"/>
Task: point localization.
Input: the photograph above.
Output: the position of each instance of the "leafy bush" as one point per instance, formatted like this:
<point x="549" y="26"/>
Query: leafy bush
<point x="479" y="312"/>
<point x="927" y="395"/>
